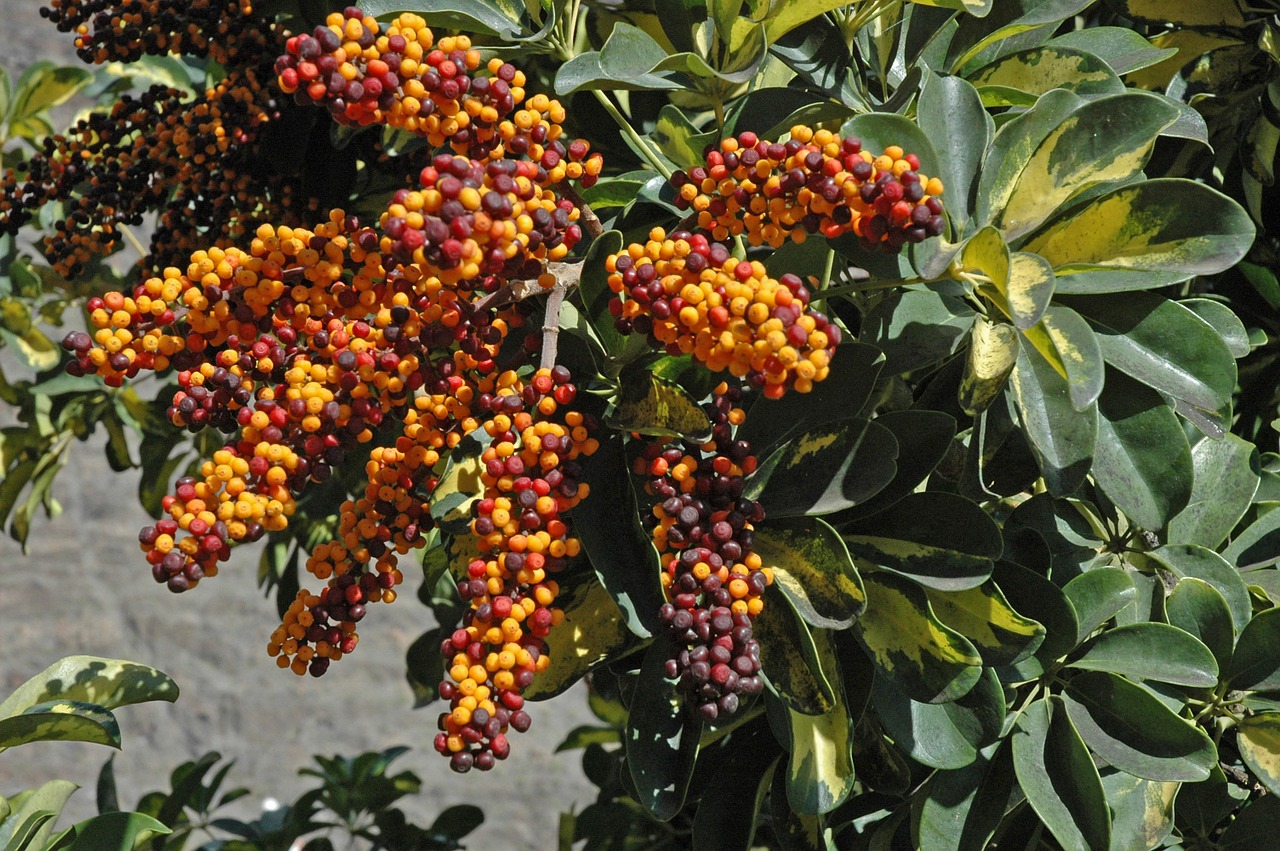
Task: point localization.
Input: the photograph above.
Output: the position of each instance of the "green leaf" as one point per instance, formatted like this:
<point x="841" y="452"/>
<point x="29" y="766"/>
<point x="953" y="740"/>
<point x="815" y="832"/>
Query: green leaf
<point x="652" y="405"/>
<point x="1167" y="229"/>
<point x="728" y="812"/>
<point x="1123" y="49"/>
<point x="1255" y="666"/>
<point x="661" y="740"/>
<point x="1040" y="69"/>
<point x="110" y="831"/>
<point x="478" y="16"/>
<point x="1226" y="477"/>
<point x="1096" y="595"/>
<point x="790" y="658"/>
<point x="794" y="831"/>
<point x="923" y="437"/>
<point x="594" y="629"/>
<point x="942" y="735"/>
<point x="457" y="821"/>
<point x="812" y="568"/>
<point x="109" y="683"/>
<point x="927" y="660"/>
<point x="916" y="328"/>
<point x="620" y="550"/>
<point x="30" y="822"/>
<point x="938" y="539"/>
<point x="1207" y="13"/>
<point x="1201" y="563"/>
<point x="959" y="810"/>
<point x="580" y="737"/>
<point x="949" y="108"/>
<point x="1223" y="320"/>
<point x="879" y="130"/>
<point x="1141" y="810"/>
<point x="1154" y="651"/>
<point x="1058" y="777"/>
<point x="1034" y="596"/>
<point x="624" y="62"/>
<point x="6" y="93"/>
<point x="60" y="721"/>
<point x="593" y="289"/>
<point x="36" y="350"/>
<point x="786" y="15"/>
<point x="1069" y="345"/>
<point x="1142" y="460"/>
<point x="1258" y="545"/>
<point x="1162" y="344"/>
<point x="45" y="85"/>
<point x="1133" y="731"/>
<point x="853" y="460"/>
<point x="977" y="8"/>
<point x="983" y="615"/>
<point x="1254" y="827"/>
<point x="855" y="368"/>
<point x="674" y="135"/>
<point x="1196" y="607"/>
<point x="1258" y="738"/>
<point x="820" y="772"/>
<point x="1061" y="438"/>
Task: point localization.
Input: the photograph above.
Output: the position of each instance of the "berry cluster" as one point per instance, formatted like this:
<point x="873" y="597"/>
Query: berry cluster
<point x="703" y="529"/>
<point x="813" y="183"/>
<point x="472" y="219"/>
<point x="126" y="30"/>
<point x="402" y="77"/>
<point x="531" y="478"/>
<point x="691" y="296"/>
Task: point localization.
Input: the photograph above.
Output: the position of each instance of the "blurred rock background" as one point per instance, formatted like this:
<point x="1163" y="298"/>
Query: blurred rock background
<point x="84" y="588"/>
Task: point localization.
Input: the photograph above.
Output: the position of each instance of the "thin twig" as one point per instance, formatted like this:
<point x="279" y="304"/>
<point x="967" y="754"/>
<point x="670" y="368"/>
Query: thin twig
<point x="590" y="221"/>
<point x="551" y="325"/>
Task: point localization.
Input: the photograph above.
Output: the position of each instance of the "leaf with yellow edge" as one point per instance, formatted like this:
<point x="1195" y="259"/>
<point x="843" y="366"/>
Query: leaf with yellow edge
<point x="986" y="253"/>
<point x="785" y="15"/>
<point x="1040" y="69"/>
<point x="984" y="616"/>
<point x="1167" y="230"/>
<point x="593" y="630"/>
<point x="926" y="659"/>
<point x="1141" y="810"/>
<point x="1031" y="285"/>
<point x="789" y="657"/>
<point x="993" y="350"/>
<point x="1188" y="45"/>
<point x="1067" y="342"/>
<point x="1179" y="13"/>
<point x="1258" y="738"/>
<point x="977" y="8"/>
<point x="1105" y="140"/>
<point x="654" y="406"/>
<point x="459" y="488"/>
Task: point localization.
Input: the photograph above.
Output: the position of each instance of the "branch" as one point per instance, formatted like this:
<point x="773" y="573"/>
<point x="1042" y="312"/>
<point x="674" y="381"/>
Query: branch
<point x="590" y="221"/>
<point x="551" y="324"/>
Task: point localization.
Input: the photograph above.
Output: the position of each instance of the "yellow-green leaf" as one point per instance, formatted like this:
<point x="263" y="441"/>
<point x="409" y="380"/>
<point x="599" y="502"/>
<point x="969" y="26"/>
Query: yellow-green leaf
<point x="1067" y="342"/>
<point x="1258" y="738"/>
<point x="984" y="616"/>
<point x="790" y="658"/>
<point x="977" y="8"/>
<point x="1105" y="140"/>
<point x="820" y="771"/>
<point x="1040" y="69"/>
<point x="593" y="630"/>
<point x="1031" y="285"/>
<point x="654" y="406"/>
<point x="993" y="350"/>
<point x="926" y="659"/>
<point x="1179" y="13"/>
<point x="1188" y="46"/>
<point x="786" y="15"/>
<point x="1178" y="228"/>
<point x="109" y="683"/>
<point x="812" y="567"/>
<point x="459" y="488"/>
<point x="987" y="254"/>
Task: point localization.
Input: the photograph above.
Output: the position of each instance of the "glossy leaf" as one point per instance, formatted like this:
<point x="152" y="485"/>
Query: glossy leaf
<point x="623" y="62"/>
<point x="32" y="811"/>
<point x="937" y="539"/>
<point x="1142" y="460"/>
<point x="44" y="85"/>
<point x="1034" y="596"/>
<point x="1201" y="563"/>
<point x="108" y="683"/>
<point x="1258" y="738"/>
<point x="1162" y="344"/>
<point x="1168" y="229"/>
<point x="661" y="740"/>
<point x="916" y="328"/>
<point x="620" y="551"/>
<point x="1209" y="13"/>
<point x="1258" y="545"/>
<point x="820" y="772"/>
<point x="1061" y="438"/>
<point x="949" y="108"/>
<point x="1226" y="477"/>
<point x="1141" y="810"/>
<point x="790" y="658"/>
<point x="1133" y="731"/>
<point x="1196" y="607"/>
<point x="927" y="660"/>
<point x="960" y="809"/>
<point x="1123" y="49"/>
<point x="649" y="404"/>
<point x="1069" y="345"/>
<point x="1058" y="777"/>
<point x="1224" y="321"/>
<point x="1096" y="595"/>
<point x="594" y="630"/>
<point x="593" y="289"/>
<point x="993" y="350"/>
<point x="479" y="16"/>
<point x="942" y="735"/>
<point x="879" y="130"/>
<point x="813" y="569"/>
<point x="852" y="459"/>
<point x="60" y="721"/>
<point x="1039" y="69"/>
<point x="1001" y="635"/>
<point x="1256" y="663"/>
<point x="794" y="831"/>
<point x="923" y="437"/>
<point x="1154" y="651"/>
<point x="727" y="814"/>
<point x="110" y="831"/>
